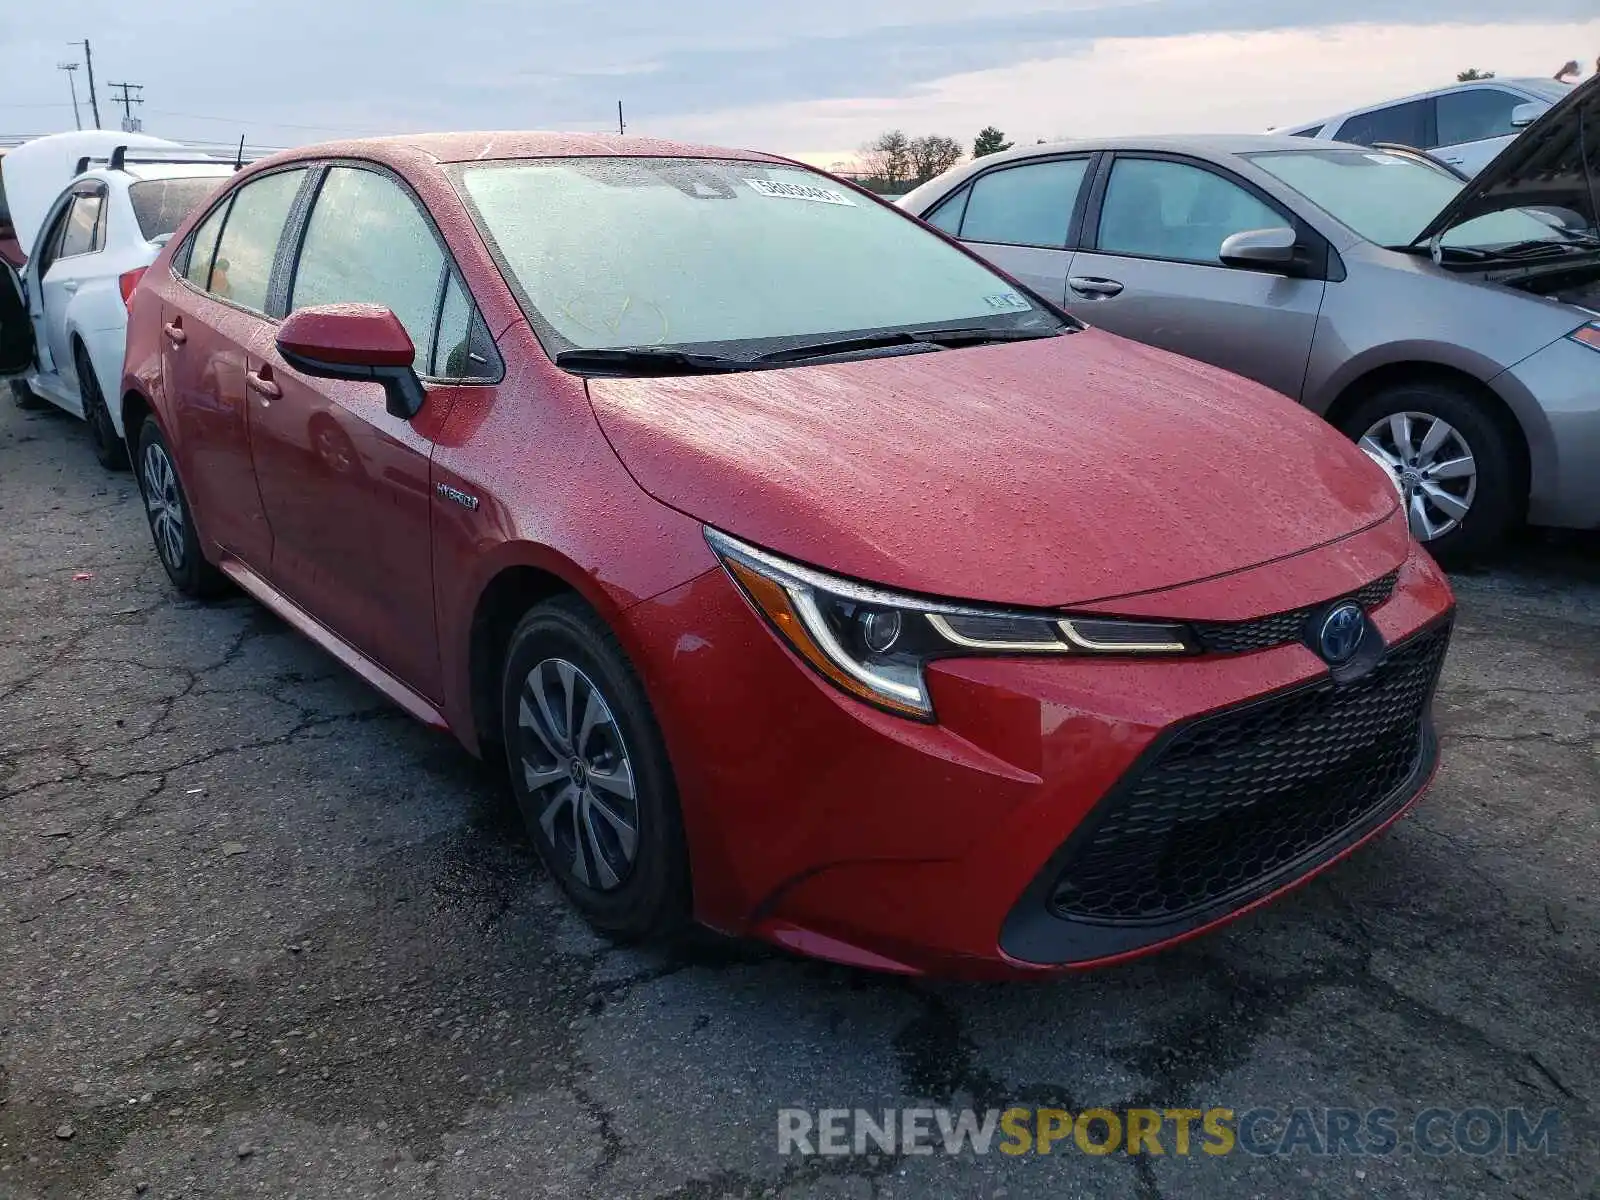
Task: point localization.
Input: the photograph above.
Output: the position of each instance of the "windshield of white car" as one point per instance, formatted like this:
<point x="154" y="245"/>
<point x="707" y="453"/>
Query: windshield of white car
<point x="1547" y="88"/>
<point x="160" y="205"/>
<point x="729" y="258"/>
<point x="1389" y="199"/>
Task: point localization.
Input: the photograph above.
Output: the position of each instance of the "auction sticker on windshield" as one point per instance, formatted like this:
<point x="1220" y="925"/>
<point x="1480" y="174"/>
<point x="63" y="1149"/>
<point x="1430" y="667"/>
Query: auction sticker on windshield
<point x="800" y="191"/>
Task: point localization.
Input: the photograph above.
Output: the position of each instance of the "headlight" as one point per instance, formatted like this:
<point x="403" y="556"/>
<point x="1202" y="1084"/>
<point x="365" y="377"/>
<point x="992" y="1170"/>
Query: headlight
<point x="874" y="644"/>
<point x="1588" y="334"/>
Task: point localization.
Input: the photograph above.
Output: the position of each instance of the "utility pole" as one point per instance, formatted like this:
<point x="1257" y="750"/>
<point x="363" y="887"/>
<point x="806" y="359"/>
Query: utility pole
<point x="72" y="82"/>
<point x="88" y="61"/>
<point x="130" y="123"/>
<point x="621" y="128"/>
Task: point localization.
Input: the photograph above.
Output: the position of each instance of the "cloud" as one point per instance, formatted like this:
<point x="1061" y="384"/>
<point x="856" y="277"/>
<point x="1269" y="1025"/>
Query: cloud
<point x="298" y="70"/>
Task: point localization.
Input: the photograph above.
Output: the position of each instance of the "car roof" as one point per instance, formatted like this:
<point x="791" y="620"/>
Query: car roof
<point x="1525" y="84"/>
<point x="1201" y="145"/>
<point x="513" y="144"/>
<point x="143" y="172"/>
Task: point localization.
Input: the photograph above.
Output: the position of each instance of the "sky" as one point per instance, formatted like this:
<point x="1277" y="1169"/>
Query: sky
<point x="815" y="80"/>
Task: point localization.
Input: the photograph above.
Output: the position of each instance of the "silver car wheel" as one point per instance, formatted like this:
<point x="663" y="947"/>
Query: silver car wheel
<point x="578" y="775"/>
<point x="165" y="507"/>
<point x="1432" y="467"/>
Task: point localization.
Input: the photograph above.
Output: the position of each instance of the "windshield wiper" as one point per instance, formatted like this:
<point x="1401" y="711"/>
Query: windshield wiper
<point x="1534" y="248"/>
<point x="646" y="360"/>
<point x="968" y="335"/>
<point x="661" y="360"/>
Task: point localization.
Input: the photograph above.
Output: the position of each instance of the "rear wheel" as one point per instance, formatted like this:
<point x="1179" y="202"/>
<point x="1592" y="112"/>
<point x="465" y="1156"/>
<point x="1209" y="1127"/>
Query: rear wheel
<point x="1451" y="461"/>
<point x="108" y="447"/>
<point x="590" y="773"/>
<point x="171" y="524"/>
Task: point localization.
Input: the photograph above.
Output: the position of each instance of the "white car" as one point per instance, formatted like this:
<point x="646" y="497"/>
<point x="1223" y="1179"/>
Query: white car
<point x="92" y="210"/>
<point x="1465" y="125"/>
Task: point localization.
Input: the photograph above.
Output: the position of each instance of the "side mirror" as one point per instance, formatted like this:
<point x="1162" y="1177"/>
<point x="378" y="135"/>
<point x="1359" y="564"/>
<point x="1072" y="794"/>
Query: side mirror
<point x="1261" y="249"/>
<point x="1524" y="115"/>
<point x="355" y="341"/>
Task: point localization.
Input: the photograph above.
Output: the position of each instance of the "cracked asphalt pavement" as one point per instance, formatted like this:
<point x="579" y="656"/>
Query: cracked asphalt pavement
<point x="262" y="935"/>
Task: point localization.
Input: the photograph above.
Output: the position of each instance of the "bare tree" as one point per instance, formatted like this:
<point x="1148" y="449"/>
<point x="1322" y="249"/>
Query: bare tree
<point x="887" y="158"/>
<point x="932" y="154"/>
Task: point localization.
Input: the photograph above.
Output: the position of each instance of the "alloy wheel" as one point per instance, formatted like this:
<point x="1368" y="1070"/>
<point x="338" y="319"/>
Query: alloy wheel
<point x="164" y="505"/>
<point x="579" y="778"/>
<point x="1432" y="466"/>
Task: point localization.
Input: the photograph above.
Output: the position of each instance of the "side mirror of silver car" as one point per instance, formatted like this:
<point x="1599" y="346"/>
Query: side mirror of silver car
<point x="1260" y="249"/>
<point x="1524" y="115"/>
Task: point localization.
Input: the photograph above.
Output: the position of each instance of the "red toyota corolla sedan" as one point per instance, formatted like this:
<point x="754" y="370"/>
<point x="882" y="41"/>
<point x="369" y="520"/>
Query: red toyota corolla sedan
<point x="817" y="582"/>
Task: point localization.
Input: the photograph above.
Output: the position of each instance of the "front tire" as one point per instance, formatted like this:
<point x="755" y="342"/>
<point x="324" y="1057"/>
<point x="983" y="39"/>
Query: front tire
<point x="108" y="446"/>
<point x="1452" y="462"/>
<point x="171" y="523"/>
<point x="591" y="776"/>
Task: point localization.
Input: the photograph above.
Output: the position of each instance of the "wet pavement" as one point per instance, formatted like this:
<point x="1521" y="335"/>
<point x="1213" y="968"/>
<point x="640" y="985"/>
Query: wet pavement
<point x="261" y="935"/>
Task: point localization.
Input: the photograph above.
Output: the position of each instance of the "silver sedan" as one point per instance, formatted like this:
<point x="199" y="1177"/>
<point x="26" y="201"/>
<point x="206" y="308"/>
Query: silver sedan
<point x="1452" y="329"/>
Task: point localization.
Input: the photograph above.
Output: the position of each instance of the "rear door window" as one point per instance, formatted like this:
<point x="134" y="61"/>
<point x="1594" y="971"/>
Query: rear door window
<point x="1028" y="205"/>
<point x="203" y="247"/>
<point x="1406" y="123"/>
<point x="160" y="205"/>
<point x="242" y="269"/>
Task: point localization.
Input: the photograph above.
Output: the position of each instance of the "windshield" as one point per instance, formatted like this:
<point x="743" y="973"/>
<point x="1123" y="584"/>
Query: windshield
<point x="1389" y="199"/>
<point x="160" y="205"/>
<point x="667" y="252"/>
<point x="1548" y="88"/>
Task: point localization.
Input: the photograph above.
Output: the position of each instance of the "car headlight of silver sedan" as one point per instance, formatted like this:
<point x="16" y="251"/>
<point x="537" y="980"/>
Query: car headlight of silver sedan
<point x="874" y="644"/>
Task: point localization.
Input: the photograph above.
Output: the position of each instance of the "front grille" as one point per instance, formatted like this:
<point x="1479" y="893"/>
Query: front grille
<point x="1242" y="637"/>
<point x="1232" y="799"/>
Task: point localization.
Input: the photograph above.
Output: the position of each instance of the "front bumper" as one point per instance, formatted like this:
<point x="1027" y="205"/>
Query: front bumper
<point x="824" y="825"/>
<point x="1561" y="383"/>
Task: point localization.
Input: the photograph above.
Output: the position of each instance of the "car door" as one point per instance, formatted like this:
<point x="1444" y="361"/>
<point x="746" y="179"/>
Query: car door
<point x="1023" y="217"/>
<point x="1149" y="269"/>
<point x="47" y="247"/>
<point x="1471" y="116"/>
<point x="346" y="484"/>
<point x="217" y="320"/>
<point x="75" y="260"/>
<point x="16" y="330"/>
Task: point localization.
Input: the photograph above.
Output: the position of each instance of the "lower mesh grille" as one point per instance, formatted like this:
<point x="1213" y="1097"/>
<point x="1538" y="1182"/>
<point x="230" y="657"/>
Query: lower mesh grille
<point x="1232" y="799"/>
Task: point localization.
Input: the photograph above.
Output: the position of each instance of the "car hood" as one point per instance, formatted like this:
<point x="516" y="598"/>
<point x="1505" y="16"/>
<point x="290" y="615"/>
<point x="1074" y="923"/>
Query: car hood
<point x="1553" y="163"/>
<point x="1045" y="473"/>
<point x="36" y="172"/>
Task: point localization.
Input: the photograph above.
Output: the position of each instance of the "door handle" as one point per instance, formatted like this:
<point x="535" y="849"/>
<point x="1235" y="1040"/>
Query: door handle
<point x="1093" y="285"/>
<point x="262" y="384"/>
<point x="69" y="285"/>
<point x="175" y="331"/>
